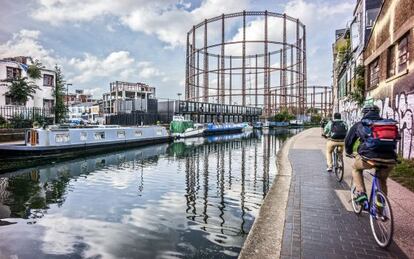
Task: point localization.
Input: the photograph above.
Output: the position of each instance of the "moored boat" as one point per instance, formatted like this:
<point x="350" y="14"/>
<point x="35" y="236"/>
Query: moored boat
<point x="57" y="141"/>
<point x="225" y="128"/>
<point x="182" y="128"/>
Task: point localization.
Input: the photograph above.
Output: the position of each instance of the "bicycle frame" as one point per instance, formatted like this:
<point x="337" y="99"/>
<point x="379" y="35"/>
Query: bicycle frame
<point x="374" y="188"/>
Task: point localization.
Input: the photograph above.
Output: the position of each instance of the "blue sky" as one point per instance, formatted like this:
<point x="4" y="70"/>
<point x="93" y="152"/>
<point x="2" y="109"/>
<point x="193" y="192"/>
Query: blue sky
<point x="97" y="42"/>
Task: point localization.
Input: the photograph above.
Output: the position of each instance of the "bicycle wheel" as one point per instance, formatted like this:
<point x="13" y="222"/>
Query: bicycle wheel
<point x="339" y="168"/>
<point x="382" y="222"/>
<point x="355" y="205"/>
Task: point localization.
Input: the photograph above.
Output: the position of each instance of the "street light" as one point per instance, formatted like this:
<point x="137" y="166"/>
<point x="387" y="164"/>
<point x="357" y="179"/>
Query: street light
<point x="179" y="95"/>
<point x="67" y="96"/>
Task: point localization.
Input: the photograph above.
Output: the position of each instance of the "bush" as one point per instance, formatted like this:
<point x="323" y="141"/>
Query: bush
<point x="283" y="115"/>
<point x="2" y="120"/>
<point x="18" y="121"/>
<point x="404" y="173"/>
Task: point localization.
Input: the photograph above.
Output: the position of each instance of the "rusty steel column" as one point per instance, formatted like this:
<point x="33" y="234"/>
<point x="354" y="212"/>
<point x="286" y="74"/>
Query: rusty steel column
<point x="265" y="84"/>
<point x="326" y="100"/>
<point x="255" y="84"/>
<point x="298" y="60"/>
<point x="198" y="76"/>
<point x="322" y="111"/>
<point x="313" y="104"/>
<point x="291" y="77"/>
<point x="244" y="61"/>
<point x="218" y="79"/>
<point x="222" y="69"/>
<point x="193" y="64"/>
<point x="304" y="66"/>
<point x="282" y="99"/>
<point x="283" y="66"/>
<point x="187" y="73"/>
<point x="205" y="75"/>
<point x="230" y="78"/>
<point x="269" y="71"/>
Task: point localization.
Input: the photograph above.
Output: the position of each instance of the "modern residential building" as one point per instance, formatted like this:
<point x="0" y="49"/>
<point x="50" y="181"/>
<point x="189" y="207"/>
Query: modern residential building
<point x="79" y="96"/>
<point x="11" y="68"/>
<point x="127" y="97"/>
<point x="88" y="111"/>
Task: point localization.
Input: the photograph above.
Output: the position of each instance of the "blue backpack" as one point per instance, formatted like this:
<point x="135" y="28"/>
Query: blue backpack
<point x="380" y="135"/>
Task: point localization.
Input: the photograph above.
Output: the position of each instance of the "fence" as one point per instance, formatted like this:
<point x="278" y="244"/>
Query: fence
<point x="23" y="117"/>
<point x="132" y="119"/>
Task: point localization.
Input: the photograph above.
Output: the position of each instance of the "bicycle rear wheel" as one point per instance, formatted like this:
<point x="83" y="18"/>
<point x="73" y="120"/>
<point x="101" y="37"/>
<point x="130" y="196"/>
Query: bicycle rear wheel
<point x="339" y="168"/>
<point x="355" y="205"/>
<point x="382" y="222"/>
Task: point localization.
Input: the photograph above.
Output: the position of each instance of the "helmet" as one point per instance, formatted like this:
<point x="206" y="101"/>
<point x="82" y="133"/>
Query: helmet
<point x="337" y="116"/>
<point x="370" y="108"/>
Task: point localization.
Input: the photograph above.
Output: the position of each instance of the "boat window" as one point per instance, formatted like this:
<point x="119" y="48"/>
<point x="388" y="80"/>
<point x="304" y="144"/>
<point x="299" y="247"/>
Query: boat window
<point x="83" y="136"/>
<point x="62" y="137"/>
<point x="99" y="135"/>
<point x="121" y="133"/>
<point x="138" y="133"/>
<point x="159" y="132"/>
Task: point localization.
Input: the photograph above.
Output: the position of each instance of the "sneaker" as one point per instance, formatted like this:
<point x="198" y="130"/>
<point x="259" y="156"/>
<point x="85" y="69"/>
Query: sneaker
<point x="361" y="197"/>
<point x="329" y="169"/>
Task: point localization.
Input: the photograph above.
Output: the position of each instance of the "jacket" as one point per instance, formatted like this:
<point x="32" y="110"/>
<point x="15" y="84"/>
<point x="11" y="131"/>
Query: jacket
<point x="356" y="132"/>
<point x="328" y="129"/>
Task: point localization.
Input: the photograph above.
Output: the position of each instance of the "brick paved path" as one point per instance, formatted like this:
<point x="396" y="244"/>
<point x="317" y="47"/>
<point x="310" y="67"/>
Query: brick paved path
<point x="317" y="222"/>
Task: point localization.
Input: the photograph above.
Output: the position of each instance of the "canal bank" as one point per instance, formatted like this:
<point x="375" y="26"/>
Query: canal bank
<point x="317" y="218"/>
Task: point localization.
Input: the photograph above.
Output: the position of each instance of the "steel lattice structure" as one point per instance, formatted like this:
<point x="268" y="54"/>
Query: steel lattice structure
<point x="268" y="71"/>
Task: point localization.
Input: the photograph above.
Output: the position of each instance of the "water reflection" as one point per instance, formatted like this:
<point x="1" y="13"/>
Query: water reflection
<point x="192" y="198"/>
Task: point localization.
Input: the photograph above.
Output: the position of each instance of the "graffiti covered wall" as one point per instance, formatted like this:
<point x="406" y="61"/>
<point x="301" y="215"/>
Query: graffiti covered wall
<point x="400" y="109"/>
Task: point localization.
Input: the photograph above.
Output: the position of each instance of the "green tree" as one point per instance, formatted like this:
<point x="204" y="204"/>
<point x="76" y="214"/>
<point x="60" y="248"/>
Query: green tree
<point x="59" y="93"/>
<point x="283" y="115"/>
<point x="21" y="89"/>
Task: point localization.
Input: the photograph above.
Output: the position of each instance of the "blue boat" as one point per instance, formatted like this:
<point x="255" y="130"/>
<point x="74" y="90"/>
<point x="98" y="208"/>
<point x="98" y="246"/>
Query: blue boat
<point x="224" y="128"/>
<point x="276" y="124"/>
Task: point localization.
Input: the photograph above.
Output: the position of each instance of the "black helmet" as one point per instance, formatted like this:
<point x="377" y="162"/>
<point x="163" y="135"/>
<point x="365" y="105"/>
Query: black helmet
<point x="337" y="116"/>
<point x="370" y="108"/>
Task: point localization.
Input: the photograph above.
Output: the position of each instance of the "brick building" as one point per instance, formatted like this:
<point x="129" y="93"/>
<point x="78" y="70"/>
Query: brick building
<point x="389" y="54"/>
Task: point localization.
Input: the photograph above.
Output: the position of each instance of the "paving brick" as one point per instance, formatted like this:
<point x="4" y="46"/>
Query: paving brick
<point x="317" y="224"/>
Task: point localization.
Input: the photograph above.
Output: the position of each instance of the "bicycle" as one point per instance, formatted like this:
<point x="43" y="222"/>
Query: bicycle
<point x="378" y="207"/>
<point x="338" y="164"/>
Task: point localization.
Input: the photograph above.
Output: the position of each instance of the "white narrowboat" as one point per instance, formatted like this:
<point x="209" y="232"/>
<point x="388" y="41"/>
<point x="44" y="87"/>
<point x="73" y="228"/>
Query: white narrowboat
<point x="54" y="141"/>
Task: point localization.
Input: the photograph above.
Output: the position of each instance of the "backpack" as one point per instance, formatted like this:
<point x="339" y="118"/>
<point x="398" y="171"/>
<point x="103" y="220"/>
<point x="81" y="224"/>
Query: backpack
<point x="381" y="136"/>
<point x="338" y="130"/>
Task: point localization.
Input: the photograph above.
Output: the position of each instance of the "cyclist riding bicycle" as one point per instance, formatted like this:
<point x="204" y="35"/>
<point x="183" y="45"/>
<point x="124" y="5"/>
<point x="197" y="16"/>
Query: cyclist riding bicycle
<point x="375" y="139"/>
<point x="335" y="130"/>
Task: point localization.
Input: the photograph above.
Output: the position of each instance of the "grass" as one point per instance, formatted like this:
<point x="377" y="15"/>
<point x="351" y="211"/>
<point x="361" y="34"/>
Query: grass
<point x="404" y="173"/>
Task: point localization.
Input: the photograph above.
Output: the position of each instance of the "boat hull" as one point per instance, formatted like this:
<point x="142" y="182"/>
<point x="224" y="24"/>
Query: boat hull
<point x="24" y="152"/>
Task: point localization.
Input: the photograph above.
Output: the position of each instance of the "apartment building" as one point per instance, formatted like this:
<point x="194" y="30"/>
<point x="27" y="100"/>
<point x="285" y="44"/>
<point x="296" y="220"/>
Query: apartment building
<point x="15" y="67"/>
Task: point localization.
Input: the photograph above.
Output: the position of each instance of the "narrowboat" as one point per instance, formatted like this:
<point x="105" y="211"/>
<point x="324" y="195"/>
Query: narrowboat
<point x="225" y="128"/>
<point x="258" y="125"/>
<point x="56" y="141"/>
<point x="182" y="128"/>
<point x="296" y="123"/>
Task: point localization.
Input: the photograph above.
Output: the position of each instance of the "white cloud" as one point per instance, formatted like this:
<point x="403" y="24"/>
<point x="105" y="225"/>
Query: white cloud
<point x="169" y="20"/>
<point x="25" y="43"/>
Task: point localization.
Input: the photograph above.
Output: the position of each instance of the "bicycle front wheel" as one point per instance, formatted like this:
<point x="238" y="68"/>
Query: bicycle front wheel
<point x="339" y="169"/>
<point x="381" y="219"/>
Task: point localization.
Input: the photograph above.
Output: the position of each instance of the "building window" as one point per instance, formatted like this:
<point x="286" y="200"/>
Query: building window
<point x="374" y="73"/>
<point x="13" y="72"/>
<point x="121" y="133"/>
<point x="83" y="136"/>
<point x="391" y="61"/>
<point x="11" y="101"/>
<point x="402" y="53"/>
<point x="99" y="135"/>
<point x="62" y="138"/>
<point x="47" y="80"/>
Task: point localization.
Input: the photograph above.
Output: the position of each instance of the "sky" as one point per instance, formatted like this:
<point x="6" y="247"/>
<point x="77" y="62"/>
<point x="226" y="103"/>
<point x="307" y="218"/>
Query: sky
<point x="100" y="41"/>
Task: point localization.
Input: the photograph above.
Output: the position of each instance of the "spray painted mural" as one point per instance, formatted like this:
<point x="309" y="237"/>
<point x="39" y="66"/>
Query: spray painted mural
<point x="402" y="110"/>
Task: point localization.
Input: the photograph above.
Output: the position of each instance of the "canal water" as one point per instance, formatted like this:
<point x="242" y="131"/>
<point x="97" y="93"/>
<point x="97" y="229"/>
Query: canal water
<point x="189" y="199"/>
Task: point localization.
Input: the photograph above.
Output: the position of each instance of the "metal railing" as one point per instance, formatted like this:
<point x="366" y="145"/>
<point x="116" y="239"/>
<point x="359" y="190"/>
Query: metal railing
<point x="24" y="117"/>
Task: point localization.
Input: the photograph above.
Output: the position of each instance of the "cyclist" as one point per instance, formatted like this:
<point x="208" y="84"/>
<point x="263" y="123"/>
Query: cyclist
<point x="377" y="139"/>
<point x="335" y="130"/>
<point x="323" y="123"/>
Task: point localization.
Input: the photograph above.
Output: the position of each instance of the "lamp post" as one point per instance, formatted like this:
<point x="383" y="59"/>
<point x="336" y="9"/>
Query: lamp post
<point x="67" y="97"/>
<point x="179" y="95"/>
